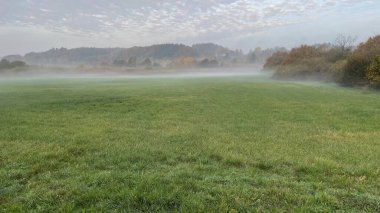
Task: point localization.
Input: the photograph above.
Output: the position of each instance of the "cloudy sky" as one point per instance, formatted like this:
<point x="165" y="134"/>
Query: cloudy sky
<point x="38" y="25"/>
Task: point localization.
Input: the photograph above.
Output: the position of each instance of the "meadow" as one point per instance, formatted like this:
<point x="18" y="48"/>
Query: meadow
<point x="215" y="144"/>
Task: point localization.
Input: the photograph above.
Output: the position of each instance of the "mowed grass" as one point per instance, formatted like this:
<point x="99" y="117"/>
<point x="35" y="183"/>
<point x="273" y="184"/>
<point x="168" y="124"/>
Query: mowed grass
<point x="193" y="145"/>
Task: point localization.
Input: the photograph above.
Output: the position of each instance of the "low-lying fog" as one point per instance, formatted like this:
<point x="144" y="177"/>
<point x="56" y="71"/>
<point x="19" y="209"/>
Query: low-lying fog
<point x="182" y="73"/>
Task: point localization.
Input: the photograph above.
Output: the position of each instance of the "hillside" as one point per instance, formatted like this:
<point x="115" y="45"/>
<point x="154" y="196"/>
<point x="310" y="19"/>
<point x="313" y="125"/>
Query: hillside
<point x="94" y="56"/>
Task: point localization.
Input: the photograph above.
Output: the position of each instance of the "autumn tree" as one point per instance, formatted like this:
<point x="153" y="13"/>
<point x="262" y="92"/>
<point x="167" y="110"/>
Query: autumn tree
<point x="275" y="60"/>
<point x="345" y="43"/>
<point x="357" y="69"/>
<point x="373" y="73"/>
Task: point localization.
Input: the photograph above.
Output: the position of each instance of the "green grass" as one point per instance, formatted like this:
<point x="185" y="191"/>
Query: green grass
<point x="210" y="145"/>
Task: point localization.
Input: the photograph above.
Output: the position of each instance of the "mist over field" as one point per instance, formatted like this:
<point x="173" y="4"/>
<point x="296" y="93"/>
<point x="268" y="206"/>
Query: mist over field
<point x="182" y="73"/>
<point x="189" y="106"/>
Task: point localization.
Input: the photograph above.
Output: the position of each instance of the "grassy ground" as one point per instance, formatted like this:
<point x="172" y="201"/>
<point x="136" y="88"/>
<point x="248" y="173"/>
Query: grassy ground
<point x="212" y="144"/>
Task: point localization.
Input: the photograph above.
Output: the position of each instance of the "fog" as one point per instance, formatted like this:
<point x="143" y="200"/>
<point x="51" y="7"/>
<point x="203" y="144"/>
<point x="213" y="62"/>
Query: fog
<point x="157" y="74"/>
<point x="182" y="39"/>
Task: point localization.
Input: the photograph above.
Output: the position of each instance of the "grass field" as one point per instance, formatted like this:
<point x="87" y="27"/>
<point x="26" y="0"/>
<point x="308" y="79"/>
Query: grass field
<point x="194" y="144"/>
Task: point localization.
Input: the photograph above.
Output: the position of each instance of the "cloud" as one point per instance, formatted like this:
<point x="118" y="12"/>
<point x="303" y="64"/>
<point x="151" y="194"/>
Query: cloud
<point x="161" y="21"/>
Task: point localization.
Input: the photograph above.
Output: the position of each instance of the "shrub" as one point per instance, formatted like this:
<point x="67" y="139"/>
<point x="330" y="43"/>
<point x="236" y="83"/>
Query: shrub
<point x="275" y="60"/>
<point x="306" y="69"/>
<point x="356" y="71"/>
<point x="337" y="69"/>
<point x="373" y="73"/>
<point x="298" y="54"/>
<point x="305" y="62"/>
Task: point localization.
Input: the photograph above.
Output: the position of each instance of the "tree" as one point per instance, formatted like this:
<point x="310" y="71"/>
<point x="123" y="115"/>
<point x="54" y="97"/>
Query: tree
<point x="301" y="53"/>
<point x="132" y="62"/>
<point x="119" y="63"/>
<point x="4" y="64"/>
<point x="356" y="71"/>
<point x="186" y="61"/>
<point x="275" y="60"/>
<point x="344" y="43"/>
<point x="252" y="57"/>
<point x="204" y="63"/>
<point x="147" y="62"/>
<point x="304" y="62"/>
<point x="208" y="63"/>
<point x="17" y="64"/>
<point x="373" y="74"/>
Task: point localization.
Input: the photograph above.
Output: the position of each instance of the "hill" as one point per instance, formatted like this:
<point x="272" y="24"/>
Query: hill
<point x="94" y="56"/>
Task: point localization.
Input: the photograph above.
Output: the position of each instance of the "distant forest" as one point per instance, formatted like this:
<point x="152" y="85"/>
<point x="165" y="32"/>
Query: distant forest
<point x="12" y="65"/>
<point x="155" y="56"/>
<point x="340" y="62"/>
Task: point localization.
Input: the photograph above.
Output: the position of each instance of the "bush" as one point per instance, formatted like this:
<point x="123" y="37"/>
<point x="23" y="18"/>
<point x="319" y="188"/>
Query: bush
<point x="356" y="71"/>
<point x="305" y="62"/>
<point x="337" y="69"/>
<point x="299" y="54"/>
<point x="306" y="69"/>
<point x="373" y="73"/>
<point x="331" y="63"/>
<point x="275" y="60"/>
<point x="336" y="54"/>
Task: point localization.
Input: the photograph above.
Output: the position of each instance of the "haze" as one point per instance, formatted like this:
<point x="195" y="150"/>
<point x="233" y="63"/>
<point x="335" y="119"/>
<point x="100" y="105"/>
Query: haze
<point x="38" y="25"/>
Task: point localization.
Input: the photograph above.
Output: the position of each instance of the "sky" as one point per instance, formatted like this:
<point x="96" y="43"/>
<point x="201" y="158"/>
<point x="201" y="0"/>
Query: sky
<point x="39" y="25"/>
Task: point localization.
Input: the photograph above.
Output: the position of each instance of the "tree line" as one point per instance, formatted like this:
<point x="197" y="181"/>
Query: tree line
<point x="8" y="65"/>
<point x="340" y="62"/>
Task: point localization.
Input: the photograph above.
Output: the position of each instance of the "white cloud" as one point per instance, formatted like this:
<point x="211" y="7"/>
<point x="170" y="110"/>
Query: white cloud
<point x="153" y="21"/>
<point x="171" y="18"/>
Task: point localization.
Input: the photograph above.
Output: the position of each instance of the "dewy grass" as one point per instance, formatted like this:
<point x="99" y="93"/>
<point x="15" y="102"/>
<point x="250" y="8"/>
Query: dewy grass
<point x="209" y="145"/>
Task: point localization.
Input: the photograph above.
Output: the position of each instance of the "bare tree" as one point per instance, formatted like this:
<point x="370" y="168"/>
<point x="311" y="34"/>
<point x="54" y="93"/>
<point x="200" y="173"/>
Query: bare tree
<point x="345" y="43"/>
